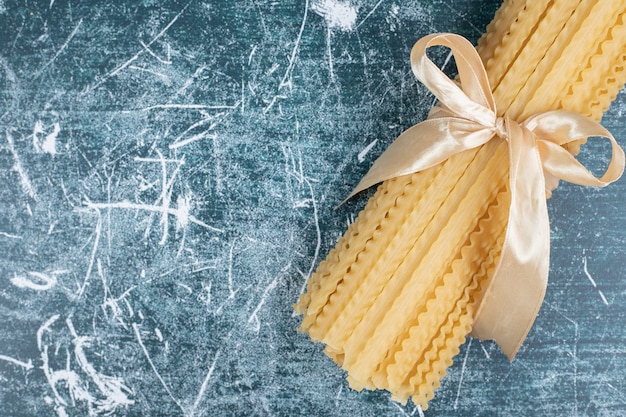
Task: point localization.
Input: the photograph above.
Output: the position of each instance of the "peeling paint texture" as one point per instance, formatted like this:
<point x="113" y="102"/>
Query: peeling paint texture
<point x="168" y="173"/>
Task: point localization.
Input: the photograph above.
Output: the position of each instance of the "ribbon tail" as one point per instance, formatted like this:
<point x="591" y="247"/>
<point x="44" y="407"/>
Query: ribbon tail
<point x="423" y="146"/>
<point x="515" y="292"/>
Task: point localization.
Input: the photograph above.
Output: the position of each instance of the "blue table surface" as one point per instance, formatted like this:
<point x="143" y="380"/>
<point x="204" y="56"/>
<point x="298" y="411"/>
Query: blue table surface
<point x="168" y="173"/>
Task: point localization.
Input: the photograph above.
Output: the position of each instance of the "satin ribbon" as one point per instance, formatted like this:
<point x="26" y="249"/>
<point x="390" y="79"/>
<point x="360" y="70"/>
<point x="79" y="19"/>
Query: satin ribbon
<point x="466" y="118"/>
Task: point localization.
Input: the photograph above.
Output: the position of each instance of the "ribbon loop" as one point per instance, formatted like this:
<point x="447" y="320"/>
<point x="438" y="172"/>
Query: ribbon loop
<point x="465" y="119"/>
<point x="556" y="128"/>
<point x="473" y="99"/>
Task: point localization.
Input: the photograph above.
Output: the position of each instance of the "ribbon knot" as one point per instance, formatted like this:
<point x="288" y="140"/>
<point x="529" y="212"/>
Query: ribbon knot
<point x="501" y="130"/>
<point x="466" y="118"/>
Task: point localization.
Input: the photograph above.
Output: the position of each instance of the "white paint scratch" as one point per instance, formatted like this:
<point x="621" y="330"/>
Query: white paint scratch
<point x="45" y="328"/>
<point x="443" y="66"/>
<point x="365" y="151"/>
<point x="156" y="372"/>
<point x="254" y="316"/>
<point x="78" y="390"/>
<point x="151" y="53"/>
<point x="458" y="391"/>
<point x="329" y="53"/>
<point x="207" y="118"/>
<point x="186" y="107"/>
<point x="62" y="48"/>
<point x="210" y="264"/>
<point x="296" y="46"/>
<point x="416" y="409"/>
<point x="252" y="52"/>
<point x="123" y="66"/>
<point x="191" y="139"/>
<point x="178" y="142"/>
<point x="318" y="233"/>
<point x="36" y="281"/>
<point x="338" y="396"/>
<point x="160" y="75"/>
<point x="469" y="22"/>
<point x="10" y="236"/>
<point x="573" y="354"/>
<point x="286" y="80"/>
<point x="140" y="159"/>
<point x="243" y="94"/>
<point x="113" y="392"/>
<point x="485" y="352"/>
<point x="338" y="14"/>
<point x="158" y="334"/>
<point x="296" y="170"/>
<point x="204" y="386"/>
<point x="151" y="208"/>
<point x="92" y="257"/>
<point x="26" y="365"/>
<point x="185" y="287"/>
<point x="166" y="196"/>
<point x="593" y="281"/>
<point x="17" y="167"/>
<point x="231" y="291"/>
<point x="190" y="80"/>
<point x="395" y="404"/>
<point x="370" y="13"/>
<point x="272" y="102"/>
<point x="51" y="376"/>
<point x="446" y="61"/>
<point x="273" y="68"/>
<point x="304" y="203"/>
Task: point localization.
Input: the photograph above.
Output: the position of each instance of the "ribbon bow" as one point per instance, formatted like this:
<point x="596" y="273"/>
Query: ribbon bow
<point x="466" y="118"/>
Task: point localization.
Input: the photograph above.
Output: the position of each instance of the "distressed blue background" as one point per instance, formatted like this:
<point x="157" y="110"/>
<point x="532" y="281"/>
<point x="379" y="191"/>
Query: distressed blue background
<point x="168" y="177"/>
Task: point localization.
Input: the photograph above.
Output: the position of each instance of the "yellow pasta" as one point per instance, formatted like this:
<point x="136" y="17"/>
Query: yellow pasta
<point x="457" y="290"/>
<point x="577" y="42"/>
<point x="396" y="297"/>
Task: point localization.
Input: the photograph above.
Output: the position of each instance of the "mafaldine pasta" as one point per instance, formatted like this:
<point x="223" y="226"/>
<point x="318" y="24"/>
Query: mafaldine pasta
<point x="396" y="297"/>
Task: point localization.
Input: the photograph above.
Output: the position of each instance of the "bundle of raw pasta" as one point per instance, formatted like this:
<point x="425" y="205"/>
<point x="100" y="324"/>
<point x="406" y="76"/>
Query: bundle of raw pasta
<point x="398" y="295"/>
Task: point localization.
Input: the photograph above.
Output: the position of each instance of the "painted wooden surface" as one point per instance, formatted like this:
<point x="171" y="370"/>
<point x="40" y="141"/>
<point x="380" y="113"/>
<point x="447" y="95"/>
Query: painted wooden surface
<point x="168" y="172"/>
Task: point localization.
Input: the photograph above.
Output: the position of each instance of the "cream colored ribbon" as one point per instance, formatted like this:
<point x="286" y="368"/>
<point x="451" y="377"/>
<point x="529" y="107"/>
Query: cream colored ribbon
<point x="466" y="118"/>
